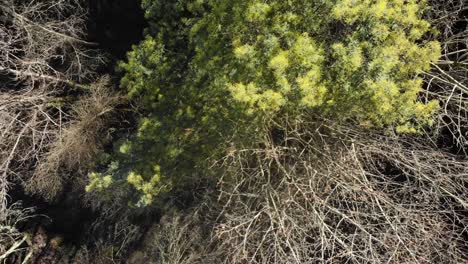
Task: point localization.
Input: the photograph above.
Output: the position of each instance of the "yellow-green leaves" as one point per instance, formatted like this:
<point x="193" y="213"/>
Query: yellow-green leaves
<point x="397" y="104"/>
<point x="98" y="182"/>
<point x="349" y="57"/>
<point x="306" y="52"/>
<point x="404" y="12"/>
<point x="312" y="91"/>
<point x="244" y="52"/>
<point x="247" y="94"/>
<point x="360" y="73"/>
<point x="296" y="70"/>
<point x="381" y="63"/>
<point x="385" y="97"/>
<point x="148" y="189"/>
<point x="280" y="62"/>
<point x="271" y="100"/>
<point x="267" y="101"/>
<point x="257" y="11"/>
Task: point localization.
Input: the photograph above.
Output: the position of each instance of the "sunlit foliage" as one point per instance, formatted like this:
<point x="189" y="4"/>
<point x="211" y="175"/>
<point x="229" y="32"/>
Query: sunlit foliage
<point x="213" y="71"/>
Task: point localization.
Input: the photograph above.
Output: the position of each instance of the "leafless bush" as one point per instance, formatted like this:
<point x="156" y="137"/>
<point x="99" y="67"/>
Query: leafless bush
<point x="111" y="236"/>
<point x="179" y="238"/>
<point x="448" y="79"/>
<point x="51" y="118"/>
<point x="99" y="253"/>
<point x="343" y="196"/>
<point x="43" y="44"/>
<point x="25" y="130"/>
<point x="46" y="66"/>
<point x="116" y="236"/>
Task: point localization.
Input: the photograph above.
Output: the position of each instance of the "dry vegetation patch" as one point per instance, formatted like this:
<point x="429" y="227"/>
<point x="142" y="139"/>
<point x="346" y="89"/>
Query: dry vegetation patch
<point x="371" y="200"/>
<point x="78" y="144"/>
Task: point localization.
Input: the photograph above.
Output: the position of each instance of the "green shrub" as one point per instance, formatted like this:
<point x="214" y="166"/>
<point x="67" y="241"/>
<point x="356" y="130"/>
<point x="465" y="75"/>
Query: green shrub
<point x="211" y="73"/>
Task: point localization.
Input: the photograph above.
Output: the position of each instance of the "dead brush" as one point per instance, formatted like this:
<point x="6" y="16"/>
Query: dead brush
<point x="42" y="59"/>
<point x="78" y="143"/>
<point x="447" y="81"/>
<point x="343" y="196"/>
<point x="176" y="240"/>
<point x="14" y="244"/>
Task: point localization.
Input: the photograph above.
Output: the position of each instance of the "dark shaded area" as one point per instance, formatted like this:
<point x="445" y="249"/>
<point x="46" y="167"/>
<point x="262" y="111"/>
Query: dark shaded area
<point x="115" y="25"/>
<point x="450" y="138"/>
<point x="67" y="217"/>
<point x="6" y="12"/>
<point x="8" y="82"/>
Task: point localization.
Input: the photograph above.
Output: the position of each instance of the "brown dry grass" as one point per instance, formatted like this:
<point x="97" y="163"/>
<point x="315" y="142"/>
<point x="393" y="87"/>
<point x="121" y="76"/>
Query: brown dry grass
<point x="78" y="143"/>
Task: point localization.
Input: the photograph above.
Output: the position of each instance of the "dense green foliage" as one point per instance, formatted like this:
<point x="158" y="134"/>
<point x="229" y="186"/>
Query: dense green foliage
<point x="212" y="73"/>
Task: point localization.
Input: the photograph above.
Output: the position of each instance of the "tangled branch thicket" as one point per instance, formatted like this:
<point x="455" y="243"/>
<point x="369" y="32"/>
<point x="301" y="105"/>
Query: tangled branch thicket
<point x="355" y="199"/>
<point x="326" y="195"/>
<point x="448" y="79"/>
<point x="43" y="65"/>
<point x="52" y="116"/>
<point x="31" y="52"/>
<point x="177" y="239"/>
